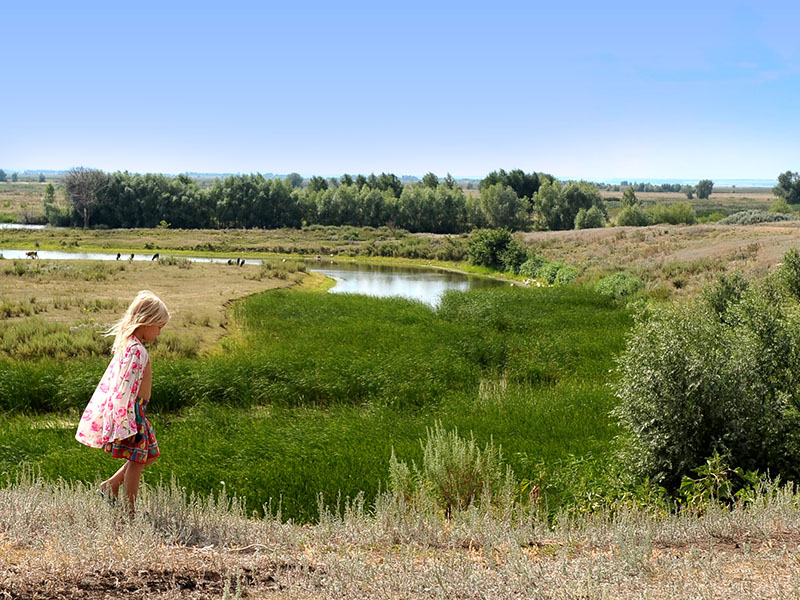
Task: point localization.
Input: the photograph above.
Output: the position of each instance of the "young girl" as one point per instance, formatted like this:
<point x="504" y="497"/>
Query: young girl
<point x="115" y="418"/>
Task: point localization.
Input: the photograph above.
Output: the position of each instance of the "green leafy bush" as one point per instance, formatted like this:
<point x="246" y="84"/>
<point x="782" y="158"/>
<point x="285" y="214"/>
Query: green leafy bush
<point x="692" y="384"/>
<point x="674" y="214"/>
<point x="726" y="291"/>
<point x="566" y="274"/>
<point x="496" y="249"/>
<point x="591" y="218"/>
<point x="789" y="272"/>
<point x="619" y="285"/>
<point x="632" y="216"/>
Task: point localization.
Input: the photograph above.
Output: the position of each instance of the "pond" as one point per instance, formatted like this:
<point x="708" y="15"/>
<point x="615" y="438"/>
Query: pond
<point x="416" y="283"/>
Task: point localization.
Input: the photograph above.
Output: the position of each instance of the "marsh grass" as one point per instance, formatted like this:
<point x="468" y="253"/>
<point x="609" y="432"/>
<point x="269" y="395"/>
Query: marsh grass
<point x="313" y="391"/>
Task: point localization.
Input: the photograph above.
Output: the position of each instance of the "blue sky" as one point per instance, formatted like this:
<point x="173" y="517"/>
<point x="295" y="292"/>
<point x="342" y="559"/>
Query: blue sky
<point x="577" y="89"/>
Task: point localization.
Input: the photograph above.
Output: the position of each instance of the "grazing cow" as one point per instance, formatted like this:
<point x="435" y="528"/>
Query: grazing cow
<point x="131" y="256"/>
<point x="230" y="261"/>
<point x="32" y="254"/>
<point x="155" y="256"/>
<point x="119" y="255"/>
<point x="240" y="262"/>
<point x="318" y="257"/>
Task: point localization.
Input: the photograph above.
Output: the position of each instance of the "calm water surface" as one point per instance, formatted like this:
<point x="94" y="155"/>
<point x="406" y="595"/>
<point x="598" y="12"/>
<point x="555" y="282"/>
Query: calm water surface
<point x="424" y="285"/>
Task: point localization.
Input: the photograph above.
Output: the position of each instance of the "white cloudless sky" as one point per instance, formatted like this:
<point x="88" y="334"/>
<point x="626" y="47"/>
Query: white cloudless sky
<point x="590" y="90"/>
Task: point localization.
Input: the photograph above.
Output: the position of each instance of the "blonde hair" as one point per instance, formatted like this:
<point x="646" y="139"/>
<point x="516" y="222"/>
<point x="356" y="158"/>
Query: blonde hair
<point x="146" y="309"/>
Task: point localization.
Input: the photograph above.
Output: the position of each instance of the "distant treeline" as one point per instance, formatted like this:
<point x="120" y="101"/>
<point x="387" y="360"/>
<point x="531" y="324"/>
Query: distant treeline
<point x="514" y="200"/>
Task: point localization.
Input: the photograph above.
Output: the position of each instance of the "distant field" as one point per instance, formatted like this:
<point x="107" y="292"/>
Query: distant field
<point x="723" y="201"/>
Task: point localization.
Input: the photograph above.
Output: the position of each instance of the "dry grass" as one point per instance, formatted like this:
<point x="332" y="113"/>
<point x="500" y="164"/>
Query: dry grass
<point x="64" y="541"/>
<point x="97" y="293"/>
<point x="23" y="200"/>
<point x="677" y="257"/>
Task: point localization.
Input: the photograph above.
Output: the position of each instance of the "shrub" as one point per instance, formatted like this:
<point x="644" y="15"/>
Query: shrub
<point x="674" y="214"/>
<point x="531" y="267"/>
<point x="496" y="249"/>
<point x="751" y="217"/>
<point x="780" y="206"/>
<point x="789" y="272"/>
<point x="692" y="384"/>
<point x="591" y="218"/>
<point x="454" y="474"/>
<point x="566" y="274"/>
<point x="726" y="291"/>
<point x="619" y="285"/>
<point x="632" y="216"/>
<point x="549" y="271"/>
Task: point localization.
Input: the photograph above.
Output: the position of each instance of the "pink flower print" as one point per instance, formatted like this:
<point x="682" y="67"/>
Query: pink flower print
<point x="121" y="413"/>
<point x="95" y="427"/>
<point x="104" y="387"/>
<point x="134" y="366"/>
<point x="135" y="387"/>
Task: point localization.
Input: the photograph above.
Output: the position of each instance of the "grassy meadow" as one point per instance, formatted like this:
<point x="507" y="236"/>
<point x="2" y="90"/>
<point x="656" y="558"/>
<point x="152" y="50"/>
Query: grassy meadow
<point x="313" y="392"/>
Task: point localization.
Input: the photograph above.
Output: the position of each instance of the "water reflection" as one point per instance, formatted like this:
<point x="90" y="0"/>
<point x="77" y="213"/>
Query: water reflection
<point x="424" y="285"/>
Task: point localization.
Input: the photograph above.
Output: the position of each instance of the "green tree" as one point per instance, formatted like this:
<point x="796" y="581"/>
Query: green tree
<point x="704" y="187"/>
<point x="503" y="208"/>
<point x="629" y="198"/>
<point x="2" y="176"/>
<point x="591" y="218"/>
<point x="295" y="180"/>
<point x="430" y="180"/>
<point x="317" y="184"/>
<point x="632" y="216"/>
<point x="788" y="187"/>
<point x="556" y="206"/>
<point x="525" y="185"/>
<point x="84" y="189"/>
<point x="14" y="177"/>
<point x="41" y="177"/>
<point x="688" y="190"/>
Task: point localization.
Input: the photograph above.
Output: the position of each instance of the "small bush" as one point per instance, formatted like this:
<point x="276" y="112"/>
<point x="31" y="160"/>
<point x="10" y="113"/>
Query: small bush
<point x="619" y="285"/>
<point x="674" y="214"/>
<point x="592" y="218"/>
<point x="632" y="216"/>
<point x="566" y="274"/>
<point x="496" y="249"/>
<point x="455" y="473"/>
<point x="531" y="267"/>
<point x="726" y="291"/>
<point x="789" y="272"/>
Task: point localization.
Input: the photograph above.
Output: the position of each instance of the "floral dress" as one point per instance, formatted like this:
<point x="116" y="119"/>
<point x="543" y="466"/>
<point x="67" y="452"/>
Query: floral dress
<point x="115" y="417"/>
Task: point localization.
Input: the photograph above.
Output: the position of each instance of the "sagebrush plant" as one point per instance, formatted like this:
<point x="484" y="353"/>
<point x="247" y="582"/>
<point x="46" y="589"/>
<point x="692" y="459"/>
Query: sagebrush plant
<point x="455" y="473"/>
<point x="753" y="216"/>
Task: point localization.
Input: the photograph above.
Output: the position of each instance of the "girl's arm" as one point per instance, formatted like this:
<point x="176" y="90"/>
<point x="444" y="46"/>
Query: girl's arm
<point x="147" y="382"/>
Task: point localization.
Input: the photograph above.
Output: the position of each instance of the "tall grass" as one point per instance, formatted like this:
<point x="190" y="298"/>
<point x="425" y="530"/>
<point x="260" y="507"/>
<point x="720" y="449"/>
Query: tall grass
<point x="313" y="392"/>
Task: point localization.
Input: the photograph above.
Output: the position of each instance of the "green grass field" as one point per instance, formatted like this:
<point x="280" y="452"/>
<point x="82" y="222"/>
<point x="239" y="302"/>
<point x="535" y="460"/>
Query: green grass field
<point x="314" y="391"/>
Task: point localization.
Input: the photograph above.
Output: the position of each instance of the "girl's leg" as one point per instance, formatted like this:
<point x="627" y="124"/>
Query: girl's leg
<point x="131" y="479"/>
<point x="113" y="482"/>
